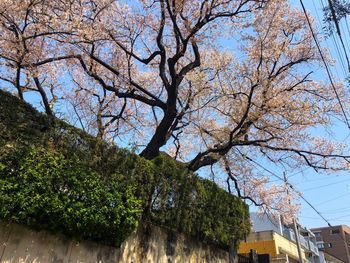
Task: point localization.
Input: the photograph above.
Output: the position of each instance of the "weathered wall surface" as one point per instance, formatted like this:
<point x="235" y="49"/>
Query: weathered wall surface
<point x="149" y="244"/>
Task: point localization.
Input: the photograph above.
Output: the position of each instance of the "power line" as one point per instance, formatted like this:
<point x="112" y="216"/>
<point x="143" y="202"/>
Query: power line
<point x="309" y="217"/>
<point x="339" y="54"/>
<point x="334" y="17"/>
<point x="340" y="217"/>
<point x="326" y="185"/>
<point x="345" y="36"/>
<point x="301" y="171"/>
<point x="337" y="47"/>
<point x="327" y="177"/>
<point x="325" y="64"/>
<point x="336" y="211"/>
<point x="335" y="198"/>
<point x="298" y="193"/>
<point x="306" y="201"/>
<point x="347" y="25"/>
<point x="267" y="170"/>
<point x="290" y="186"/>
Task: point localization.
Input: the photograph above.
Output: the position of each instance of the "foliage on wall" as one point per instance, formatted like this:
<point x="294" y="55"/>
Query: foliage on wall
<point x="56" y="177"/>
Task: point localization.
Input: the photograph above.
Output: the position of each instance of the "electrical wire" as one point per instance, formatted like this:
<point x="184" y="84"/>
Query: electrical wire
<point x="328" y="177"/>
<point x="338" y="31"/>
<point x="290" y="186"/>
<point x="314" y="208"/>
<point x="335" y="198"/>
<point x="296" y="191"/>
<point x="334" y="211"/>
<point x="326" y="185"/>
<point x="339" y="54"/>
<point x="325" y="64"/>
<point x="342" y="63"/>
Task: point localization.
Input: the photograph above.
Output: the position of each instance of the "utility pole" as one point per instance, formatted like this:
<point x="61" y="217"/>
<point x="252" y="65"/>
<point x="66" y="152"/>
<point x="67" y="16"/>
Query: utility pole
<point x="297" y="240"/>
<point x="296" y="231"/>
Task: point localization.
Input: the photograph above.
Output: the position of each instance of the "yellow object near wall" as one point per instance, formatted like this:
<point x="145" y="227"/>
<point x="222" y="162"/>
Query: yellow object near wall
<point x="288" y="247"/>
<point x="272" y="243"/>
<point x="261" y="247"/>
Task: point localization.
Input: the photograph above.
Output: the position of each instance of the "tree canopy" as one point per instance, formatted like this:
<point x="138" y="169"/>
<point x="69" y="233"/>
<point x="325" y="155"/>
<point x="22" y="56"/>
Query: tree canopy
<point x="210" y="82"/>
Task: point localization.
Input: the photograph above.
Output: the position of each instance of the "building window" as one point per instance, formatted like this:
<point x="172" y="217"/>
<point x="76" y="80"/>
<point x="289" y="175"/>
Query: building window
<point x="330" y="245"/>
<point x="317" y="234"/>
<point x="320" y="245"/>
<point x="335" y="231"/>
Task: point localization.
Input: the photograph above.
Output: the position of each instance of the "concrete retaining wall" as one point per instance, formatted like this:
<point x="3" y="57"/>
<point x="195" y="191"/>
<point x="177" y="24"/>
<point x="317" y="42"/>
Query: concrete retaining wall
<point x="149" y="244"/>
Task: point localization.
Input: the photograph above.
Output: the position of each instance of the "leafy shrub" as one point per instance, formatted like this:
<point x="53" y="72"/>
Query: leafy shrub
<point x="54" y="176"/>
<point x="45" y="190"/>
<point x="197" y="207"/>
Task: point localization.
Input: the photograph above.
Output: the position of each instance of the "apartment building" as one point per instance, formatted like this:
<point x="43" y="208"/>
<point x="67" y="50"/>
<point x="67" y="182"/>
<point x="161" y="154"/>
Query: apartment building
<point x="334" y="240"/>
<point x="279" y="248"/>
<point x="329" y="258"/>
<point x="272" y="237"/>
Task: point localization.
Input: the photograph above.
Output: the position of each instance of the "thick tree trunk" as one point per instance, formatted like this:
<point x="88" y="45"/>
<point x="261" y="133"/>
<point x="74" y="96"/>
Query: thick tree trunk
<point x="159" y="138"/>
<point x="100" y="127"/>
<point x="163" y="131"/>
<point x="43" y="97"/>
<point x="18" y="83"/>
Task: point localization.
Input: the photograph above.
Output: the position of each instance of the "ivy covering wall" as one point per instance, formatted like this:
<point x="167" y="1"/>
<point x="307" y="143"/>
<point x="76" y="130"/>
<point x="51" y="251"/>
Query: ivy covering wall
<point x="56" y="177"/>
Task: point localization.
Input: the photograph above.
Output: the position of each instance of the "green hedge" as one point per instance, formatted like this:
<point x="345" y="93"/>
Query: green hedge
<point x="45" y="190"/>
<point x="198" y="207"/>
<point x="54" y="176"/>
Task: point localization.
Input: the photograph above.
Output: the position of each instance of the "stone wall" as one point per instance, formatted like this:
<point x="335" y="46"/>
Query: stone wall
<point x="147" y="245"/>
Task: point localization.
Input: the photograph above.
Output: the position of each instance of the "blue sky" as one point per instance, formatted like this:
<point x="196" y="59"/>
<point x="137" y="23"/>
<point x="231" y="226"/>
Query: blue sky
<point x="330" y="193"/>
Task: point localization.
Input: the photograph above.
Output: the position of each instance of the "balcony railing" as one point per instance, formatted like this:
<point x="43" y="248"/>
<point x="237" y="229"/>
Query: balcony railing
<point x="313" y="248"/>
<point x="260" y="236"/>
<point x="306" y="242"/>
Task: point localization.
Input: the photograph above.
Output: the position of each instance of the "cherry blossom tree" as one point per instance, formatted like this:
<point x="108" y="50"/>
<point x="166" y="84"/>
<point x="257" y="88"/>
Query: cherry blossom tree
<point x="218" y="83"/>
<point x="24" y="42"/>
<point x="96" y="110"/>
